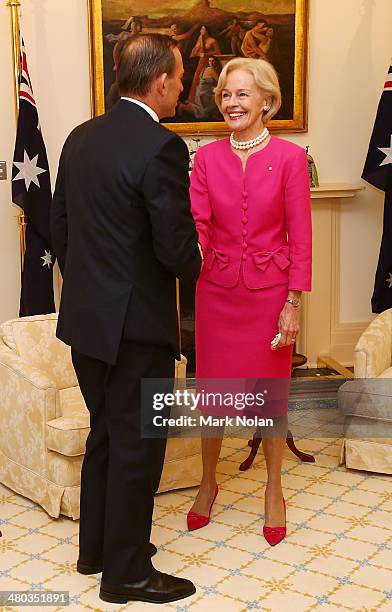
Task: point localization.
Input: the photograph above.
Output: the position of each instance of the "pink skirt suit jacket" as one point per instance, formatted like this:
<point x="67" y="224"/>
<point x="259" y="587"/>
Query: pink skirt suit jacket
<point x="255" y="232"/>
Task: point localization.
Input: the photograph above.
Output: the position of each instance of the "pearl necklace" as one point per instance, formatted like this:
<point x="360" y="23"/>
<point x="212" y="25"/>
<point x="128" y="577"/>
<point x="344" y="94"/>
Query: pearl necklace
<point x="248" y="144"/>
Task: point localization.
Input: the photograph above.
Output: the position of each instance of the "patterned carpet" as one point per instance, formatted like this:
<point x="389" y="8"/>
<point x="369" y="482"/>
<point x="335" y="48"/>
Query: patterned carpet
<point x="338" y="553"/>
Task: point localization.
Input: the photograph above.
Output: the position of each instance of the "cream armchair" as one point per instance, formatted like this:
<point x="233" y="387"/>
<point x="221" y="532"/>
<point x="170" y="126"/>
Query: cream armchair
<point x="373" y="352"/>
<point x="366" y="403"/>
<point x="45" y="422"/>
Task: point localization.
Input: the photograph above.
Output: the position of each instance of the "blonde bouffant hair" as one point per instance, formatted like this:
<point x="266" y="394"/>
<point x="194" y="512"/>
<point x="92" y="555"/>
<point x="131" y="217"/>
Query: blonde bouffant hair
<point x="264" y="75"/>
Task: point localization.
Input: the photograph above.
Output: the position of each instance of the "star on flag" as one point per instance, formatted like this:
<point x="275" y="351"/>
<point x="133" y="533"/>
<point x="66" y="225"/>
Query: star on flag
<point x="47" y="259"/>
<point x="389" y="280"/>
<point x="28" y="170"/>
<point x="388" y="154"/>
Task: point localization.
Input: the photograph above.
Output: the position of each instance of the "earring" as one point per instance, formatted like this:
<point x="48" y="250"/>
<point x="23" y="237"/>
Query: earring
<point x="266" y="108"/>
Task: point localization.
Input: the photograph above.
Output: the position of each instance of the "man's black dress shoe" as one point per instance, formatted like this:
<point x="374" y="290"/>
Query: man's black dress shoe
<point x="95" y="568"/>
<point x="157" y="588"/>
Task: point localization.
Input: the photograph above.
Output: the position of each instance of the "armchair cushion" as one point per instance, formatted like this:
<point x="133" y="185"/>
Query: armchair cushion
<point x="67" y="435"/>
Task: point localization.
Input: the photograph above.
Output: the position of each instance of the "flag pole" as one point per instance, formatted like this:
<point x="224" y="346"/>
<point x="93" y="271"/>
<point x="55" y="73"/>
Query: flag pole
<point x="14" y="6"/>
<point x="16" y="54"/>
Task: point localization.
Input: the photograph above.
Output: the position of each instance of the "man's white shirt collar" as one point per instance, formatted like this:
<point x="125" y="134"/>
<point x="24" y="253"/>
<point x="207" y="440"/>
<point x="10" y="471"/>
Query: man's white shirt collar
<point x="149" y="110"/>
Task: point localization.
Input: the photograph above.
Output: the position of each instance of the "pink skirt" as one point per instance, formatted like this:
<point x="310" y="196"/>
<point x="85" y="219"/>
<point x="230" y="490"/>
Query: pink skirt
<point x="234" y="329"/>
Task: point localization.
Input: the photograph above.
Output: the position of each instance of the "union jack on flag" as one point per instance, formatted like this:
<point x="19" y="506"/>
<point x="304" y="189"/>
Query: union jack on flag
<point x="25" y="86"/>
<point x="388" y="82"/>
<point x="31" y="191"/>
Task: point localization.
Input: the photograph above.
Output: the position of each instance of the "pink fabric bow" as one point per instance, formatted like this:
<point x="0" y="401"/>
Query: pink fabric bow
<point x="222" y="258"/>
<point x="280" y="258"/>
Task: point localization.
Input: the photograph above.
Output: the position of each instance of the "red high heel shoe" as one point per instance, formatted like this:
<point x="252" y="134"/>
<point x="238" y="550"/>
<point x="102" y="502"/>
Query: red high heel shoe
<point x="197" y="521"/>
<point x="274" y="535"/>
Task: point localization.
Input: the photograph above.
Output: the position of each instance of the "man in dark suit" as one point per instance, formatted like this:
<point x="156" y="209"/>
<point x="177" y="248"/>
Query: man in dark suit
<point x="123" y="231"/>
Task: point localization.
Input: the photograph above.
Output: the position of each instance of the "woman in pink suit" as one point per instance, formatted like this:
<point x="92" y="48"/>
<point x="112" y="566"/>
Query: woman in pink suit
<point x="250" y="200"/>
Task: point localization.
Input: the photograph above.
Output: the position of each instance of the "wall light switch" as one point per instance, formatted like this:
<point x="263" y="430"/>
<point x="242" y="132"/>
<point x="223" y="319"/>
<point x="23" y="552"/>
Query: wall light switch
<point x="3" y="171"/>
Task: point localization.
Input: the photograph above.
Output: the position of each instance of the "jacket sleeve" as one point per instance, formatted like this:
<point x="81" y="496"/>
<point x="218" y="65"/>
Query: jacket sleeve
<point x="200" y="202"/>
<point x="58" y="216"/>
<point x="166" y="195"/>
<point x="299" y="223"/>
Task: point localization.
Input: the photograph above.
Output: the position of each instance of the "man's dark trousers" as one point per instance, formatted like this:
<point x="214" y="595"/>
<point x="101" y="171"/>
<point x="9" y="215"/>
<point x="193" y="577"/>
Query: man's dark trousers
<point x="121" y="469"/>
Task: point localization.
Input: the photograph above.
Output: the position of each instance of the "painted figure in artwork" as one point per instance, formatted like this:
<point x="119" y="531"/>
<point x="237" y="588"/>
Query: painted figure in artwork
<point x="181" y="37"/>
<point x="235" y="33"/>
<point x="204" y="103"/>
<point x="255" y="41"/>
<point x="205" y="44"/>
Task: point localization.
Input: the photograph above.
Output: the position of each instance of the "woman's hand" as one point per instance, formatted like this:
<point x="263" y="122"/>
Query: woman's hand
<point x="288" y="325"/>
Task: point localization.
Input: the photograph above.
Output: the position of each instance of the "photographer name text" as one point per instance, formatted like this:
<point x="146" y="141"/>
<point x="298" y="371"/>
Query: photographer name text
<point x="210" y="421"/>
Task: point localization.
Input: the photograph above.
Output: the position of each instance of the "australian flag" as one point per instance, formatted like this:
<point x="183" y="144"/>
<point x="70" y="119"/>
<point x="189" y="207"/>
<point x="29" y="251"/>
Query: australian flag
<point x="378" y="172"/>
<point x="32" y="192"/>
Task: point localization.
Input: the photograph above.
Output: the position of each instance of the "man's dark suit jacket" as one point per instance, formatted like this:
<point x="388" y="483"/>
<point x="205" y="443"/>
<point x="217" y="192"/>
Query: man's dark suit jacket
<point x="122" y="231"/>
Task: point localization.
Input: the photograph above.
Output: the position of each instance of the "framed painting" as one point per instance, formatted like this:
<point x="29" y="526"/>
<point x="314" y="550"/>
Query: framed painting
<point x="209" y="33"/>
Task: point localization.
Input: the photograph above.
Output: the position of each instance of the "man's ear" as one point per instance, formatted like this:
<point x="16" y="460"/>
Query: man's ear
<point x="161" y="84"/>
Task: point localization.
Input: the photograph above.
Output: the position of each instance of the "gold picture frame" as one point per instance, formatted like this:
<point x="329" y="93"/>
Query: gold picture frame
<point x="288" y="35"/>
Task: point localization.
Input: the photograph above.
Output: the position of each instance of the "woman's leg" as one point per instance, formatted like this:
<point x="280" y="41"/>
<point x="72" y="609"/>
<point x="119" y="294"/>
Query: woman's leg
<point x="210" y="450"/>
<point x="273" y="447"/>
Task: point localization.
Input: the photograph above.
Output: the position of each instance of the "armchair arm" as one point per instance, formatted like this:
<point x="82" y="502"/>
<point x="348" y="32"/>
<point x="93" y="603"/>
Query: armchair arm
<point x="27" y="402"/>
<point x="15" y="363"/>
<point x="372" y="354"/>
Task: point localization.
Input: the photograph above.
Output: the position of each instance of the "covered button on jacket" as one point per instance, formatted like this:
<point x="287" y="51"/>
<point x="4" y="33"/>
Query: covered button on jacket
<point x="257" y="221"/>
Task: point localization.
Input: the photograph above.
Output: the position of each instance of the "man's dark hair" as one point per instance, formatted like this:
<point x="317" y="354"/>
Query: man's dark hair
<point x="143" y="58"/>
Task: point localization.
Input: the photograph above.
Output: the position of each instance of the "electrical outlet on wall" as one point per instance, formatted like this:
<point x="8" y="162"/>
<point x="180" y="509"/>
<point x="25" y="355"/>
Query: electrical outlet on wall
<point x="3" y="171"/>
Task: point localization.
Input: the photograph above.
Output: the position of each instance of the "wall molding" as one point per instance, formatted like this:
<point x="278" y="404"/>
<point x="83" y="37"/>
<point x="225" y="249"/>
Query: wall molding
<point x="344" y="334"/>
<point x="344" y="337"/>
<point x="322" y="332"/>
